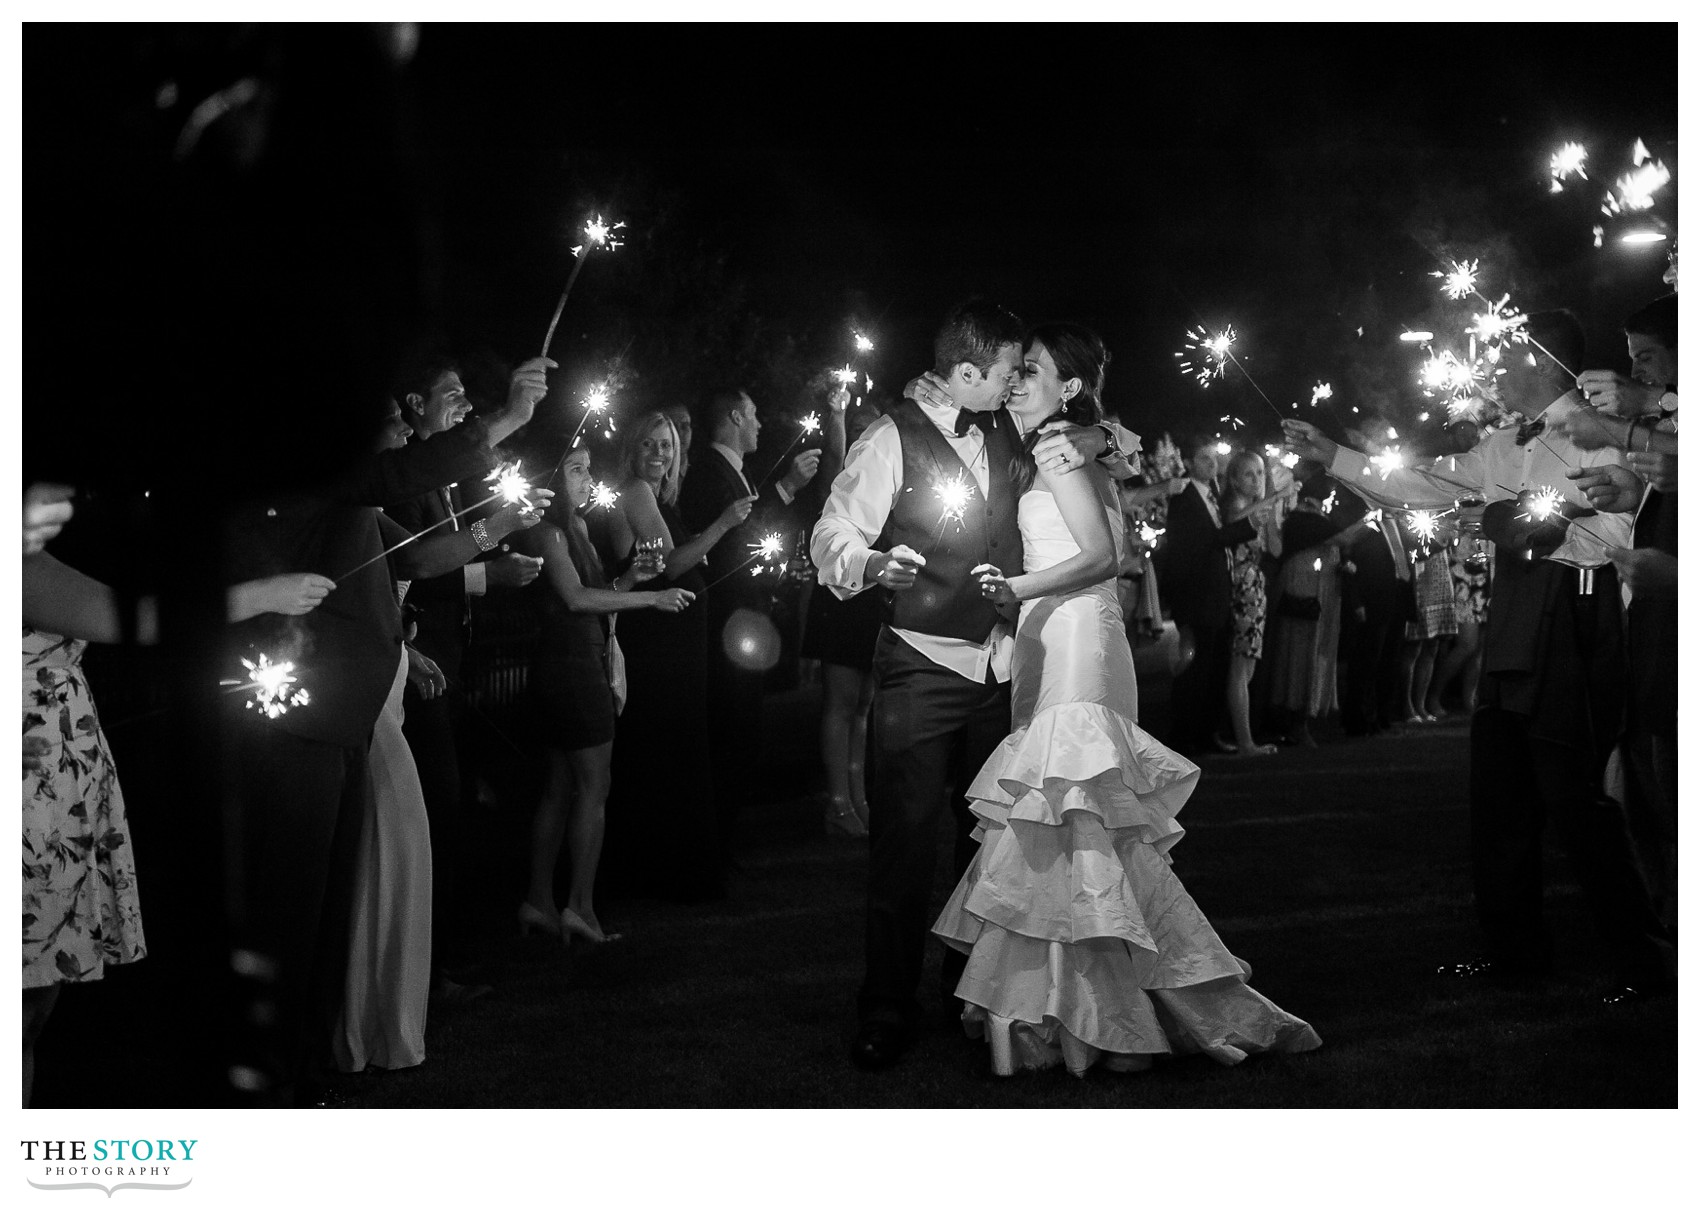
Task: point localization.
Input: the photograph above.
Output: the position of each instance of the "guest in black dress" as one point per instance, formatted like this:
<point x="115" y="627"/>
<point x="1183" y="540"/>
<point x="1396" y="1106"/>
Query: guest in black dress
<point x="841" y="635"/>
<point x="660" y="813"/>
<point x="574" y="701"/>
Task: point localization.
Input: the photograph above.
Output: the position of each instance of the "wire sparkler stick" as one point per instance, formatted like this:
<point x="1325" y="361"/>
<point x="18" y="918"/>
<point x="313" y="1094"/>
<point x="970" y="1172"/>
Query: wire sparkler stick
<point x="596" y="401"/>
<point x="806" y="427"/>
<point x="597" y="234"/>
<point x="767" y="550"/>
<point x="508" y="488"/>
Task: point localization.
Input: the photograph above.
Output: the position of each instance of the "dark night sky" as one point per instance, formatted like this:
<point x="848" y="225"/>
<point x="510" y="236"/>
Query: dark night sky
<point x="1287" y="179"/>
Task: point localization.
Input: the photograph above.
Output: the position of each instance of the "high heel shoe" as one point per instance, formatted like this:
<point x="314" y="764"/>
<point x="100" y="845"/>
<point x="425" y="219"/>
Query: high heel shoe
<point x="841" y="818"/>
<point x="533" y="918"/>
<point x="572" y="924"/>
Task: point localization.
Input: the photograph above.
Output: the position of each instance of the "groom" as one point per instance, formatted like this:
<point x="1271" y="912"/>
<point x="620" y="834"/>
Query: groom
<point x="942" y="661"/>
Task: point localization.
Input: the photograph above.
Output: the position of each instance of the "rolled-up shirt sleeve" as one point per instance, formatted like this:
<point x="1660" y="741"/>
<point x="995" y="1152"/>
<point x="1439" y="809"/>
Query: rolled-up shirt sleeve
<point x="857" y="509"/>
<point x="1437" y="485"/>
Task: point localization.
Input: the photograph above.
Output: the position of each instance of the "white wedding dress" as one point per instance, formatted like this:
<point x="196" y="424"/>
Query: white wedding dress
<point x="1082" y="944"/>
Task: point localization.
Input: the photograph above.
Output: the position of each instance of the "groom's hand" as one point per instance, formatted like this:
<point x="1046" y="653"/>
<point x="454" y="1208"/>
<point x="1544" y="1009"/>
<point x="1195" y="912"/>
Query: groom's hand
<point x="895" y="569"/>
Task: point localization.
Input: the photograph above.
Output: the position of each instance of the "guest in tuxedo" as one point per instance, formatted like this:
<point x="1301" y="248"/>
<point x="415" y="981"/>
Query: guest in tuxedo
<point x="742" y="641"/>
<point x="942" y="660"/>
<point x="1552" y="686"/>
<point x="1194" y="575"/>
<point x="434" y="400"/>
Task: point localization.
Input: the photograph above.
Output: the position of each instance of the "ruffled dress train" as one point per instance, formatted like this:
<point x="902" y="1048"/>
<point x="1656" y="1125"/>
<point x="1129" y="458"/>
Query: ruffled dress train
<point x="1083" y="946"/>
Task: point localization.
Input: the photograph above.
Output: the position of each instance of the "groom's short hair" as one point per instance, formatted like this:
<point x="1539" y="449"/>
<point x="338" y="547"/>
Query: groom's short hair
<point x="974" y="331"/>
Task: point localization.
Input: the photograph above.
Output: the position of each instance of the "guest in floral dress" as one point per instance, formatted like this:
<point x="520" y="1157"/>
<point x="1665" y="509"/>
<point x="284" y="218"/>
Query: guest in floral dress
<point x="1245" y="491"/>
<point x="81" y="912"/>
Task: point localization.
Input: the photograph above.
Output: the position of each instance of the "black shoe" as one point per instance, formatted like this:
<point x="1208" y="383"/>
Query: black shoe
<point x="878" y="1045"/>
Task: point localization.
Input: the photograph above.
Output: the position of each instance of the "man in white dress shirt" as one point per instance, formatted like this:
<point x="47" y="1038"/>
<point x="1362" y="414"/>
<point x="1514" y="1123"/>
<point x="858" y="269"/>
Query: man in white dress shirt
<point x="942" y="662"/>
<point x="1553" y="669"/>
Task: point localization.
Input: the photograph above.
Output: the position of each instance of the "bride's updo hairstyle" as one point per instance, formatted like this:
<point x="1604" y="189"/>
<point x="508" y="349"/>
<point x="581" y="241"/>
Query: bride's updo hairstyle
<point x="1078" y="353"/>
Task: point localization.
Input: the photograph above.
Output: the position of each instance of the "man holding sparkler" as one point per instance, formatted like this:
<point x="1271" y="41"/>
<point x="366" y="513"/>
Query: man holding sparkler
<point x="942" y="661"/>
<point x="301" y="785"/>
<point x="432" y="395"/>
<point x="1552" y="683"/>
<point x="741" y="637"/>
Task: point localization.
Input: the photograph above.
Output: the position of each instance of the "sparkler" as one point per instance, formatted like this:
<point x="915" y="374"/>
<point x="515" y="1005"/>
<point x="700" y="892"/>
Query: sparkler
<point x="767" y="549"/>
<point x="1458" y="281"/>
<point x="597" y="234"/>
<point x="1567" y="161"/>
<point x="603" y="496"/>
<point x="1425" y="525"/>
<point x="1149" y="535"/>
<point x="808" y="426"/>
<point x="511" y="485"/>
<point x="1212" y="353"/>
<point x="863" y="344"/>
<point x="1635" y="189"/>
<point x="408" y="541"/>
<point x="953" y="496"/>
<point x="1328" y="503"/>
<point x="270" y="685"/>
<point x="595" y="403"/>
<point x="1388" y="462"/>
<point x="847" y="376"/>
<point x="1321" y="391"/>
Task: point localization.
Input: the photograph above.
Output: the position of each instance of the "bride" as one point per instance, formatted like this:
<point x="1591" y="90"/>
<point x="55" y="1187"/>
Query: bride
<point x="1082" y="944"/>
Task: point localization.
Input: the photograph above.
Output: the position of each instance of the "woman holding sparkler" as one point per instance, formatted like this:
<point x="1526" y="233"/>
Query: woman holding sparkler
<point x="575" y="702"/>
<point x="1075" y="925"/>
<point x="1250" y="600"/>
<point x="661" y="768"/>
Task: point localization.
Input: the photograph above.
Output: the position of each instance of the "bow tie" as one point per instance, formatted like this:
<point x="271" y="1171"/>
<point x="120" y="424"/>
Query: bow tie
<point x="984" y="421"/>
<point x="1529" y="430"/>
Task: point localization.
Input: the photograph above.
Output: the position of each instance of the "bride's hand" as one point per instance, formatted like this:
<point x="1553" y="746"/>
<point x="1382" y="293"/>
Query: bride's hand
<point x="993" y="586"/>
<point x="930" y="389"/>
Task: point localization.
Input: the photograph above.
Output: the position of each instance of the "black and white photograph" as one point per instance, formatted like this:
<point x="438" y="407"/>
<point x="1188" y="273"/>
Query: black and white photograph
<point x="930" y="558"/>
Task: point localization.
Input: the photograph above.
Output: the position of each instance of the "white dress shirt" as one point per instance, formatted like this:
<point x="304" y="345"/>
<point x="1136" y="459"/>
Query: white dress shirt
<point x="1497" y="469"/>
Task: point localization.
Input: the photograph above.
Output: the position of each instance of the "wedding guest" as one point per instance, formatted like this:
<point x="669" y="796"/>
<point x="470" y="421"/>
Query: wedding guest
<point x="742" y="639"/>
<point x="1249" y="603"/>
<point x="1436" y="618"/>
<point x="1553" y="672"/>
<point x="1303" y="665"/>
<point x="841" y="635"/>
<point x="1194" y="576"/>
<point x="435" y="401"/>
<point x="658" y="829"/>
<point x="1463" y="659"/>
<point x="575" y="701"/>
<point x="81" y="909"/>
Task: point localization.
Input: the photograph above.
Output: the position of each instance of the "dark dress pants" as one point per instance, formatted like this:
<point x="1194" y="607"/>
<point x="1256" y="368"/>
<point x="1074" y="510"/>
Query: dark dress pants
<point x="1199" y="695"/>
<point x="930" y="730"/>
<point x="295" y="831"/>
<point x="1519" y="782"/>
<point x="1649" y="776"/>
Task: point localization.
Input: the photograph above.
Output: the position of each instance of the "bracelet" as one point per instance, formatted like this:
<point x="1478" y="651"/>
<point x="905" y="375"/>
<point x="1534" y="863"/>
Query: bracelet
<point x="481" y="535"/>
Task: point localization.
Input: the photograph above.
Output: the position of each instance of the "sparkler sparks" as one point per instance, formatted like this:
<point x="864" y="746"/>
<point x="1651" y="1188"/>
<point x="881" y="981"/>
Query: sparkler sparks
<point x="768" y="548"/>
<point x="1567" y="161"/>
<point x="1425" y="525"/>
<point x="1211" y="353"/>
<point x="1498" y="324"/>
<point x="511" y="485"/>
<point x="1543" y="503"/>
<point x="1635" y="189"/>
<point x="603" y="496"/>
<point x="598" y="234"/>
<point x="1460" y="280"/>
<point x="1149" y="535"/>
<point x="1388" y="462"/>
<point x="863" y="344"/>
<point x="953" y="494"/>
<point x="271" y="692"/>
<point x="1328" y="503"/>
<point x="847" y="376"/>
<point x="811" y="423"/>
<point x="1321" y="391"/>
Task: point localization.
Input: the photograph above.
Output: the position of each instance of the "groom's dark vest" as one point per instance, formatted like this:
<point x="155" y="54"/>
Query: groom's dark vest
<point x="946" y="599"/>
